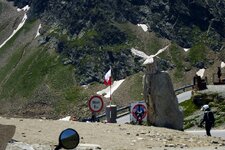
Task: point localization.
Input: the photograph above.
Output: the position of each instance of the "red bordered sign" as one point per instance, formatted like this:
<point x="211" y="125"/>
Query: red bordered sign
<point x="95" y="103"/>
<point x="139" y="112"/>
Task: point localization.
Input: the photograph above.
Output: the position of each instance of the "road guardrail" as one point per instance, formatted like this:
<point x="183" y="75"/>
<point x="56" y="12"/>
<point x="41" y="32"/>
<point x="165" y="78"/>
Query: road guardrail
<point x="126" y="109"/>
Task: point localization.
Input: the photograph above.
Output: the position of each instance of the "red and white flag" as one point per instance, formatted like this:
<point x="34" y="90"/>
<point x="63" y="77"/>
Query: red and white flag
<point x="108" y="78"/>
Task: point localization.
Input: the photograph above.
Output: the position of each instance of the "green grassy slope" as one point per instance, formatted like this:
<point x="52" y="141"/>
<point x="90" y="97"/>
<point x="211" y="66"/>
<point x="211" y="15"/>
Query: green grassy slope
<point x="30" y="68"/>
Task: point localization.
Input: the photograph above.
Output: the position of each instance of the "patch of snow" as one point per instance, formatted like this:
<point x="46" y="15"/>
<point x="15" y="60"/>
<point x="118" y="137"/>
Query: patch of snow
<point x="201" y="72"/>
<point x="106" y="92"/>
<point x="26" y="8"/>
<point x="19" y="10"/>
<point x="222" y="65"/>
<point x="63" y="2"/>
<point x="85" y="86"/>
<point x="143" y="26"/>
<point x="65" y="119"/>
<point x="186" y="49"/>
<point x="15" y="31"/>
<point x="38" y="31"/>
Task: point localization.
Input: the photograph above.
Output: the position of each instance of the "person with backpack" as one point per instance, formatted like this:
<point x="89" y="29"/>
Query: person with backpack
<point x="208" y="119"/>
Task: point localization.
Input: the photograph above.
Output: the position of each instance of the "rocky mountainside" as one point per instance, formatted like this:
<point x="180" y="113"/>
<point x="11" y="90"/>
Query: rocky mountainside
<point x="79" y="40"/>
<point x="182" y="21"/>
<point x="87" y="29"/>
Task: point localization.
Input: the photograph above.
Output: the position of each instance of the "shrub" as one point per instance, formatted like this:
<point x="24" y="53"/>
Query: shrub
<point x="197" y="53"/>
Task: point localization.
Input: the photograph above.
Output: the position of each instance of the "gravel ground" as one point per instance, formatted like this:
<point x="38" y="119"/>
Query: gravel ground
<point x="109" y="136"/>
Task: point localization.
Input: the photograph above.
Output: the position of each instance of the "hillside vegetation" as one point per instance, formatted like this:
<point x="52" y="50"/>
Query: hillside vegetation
<point x="193" y="115"/>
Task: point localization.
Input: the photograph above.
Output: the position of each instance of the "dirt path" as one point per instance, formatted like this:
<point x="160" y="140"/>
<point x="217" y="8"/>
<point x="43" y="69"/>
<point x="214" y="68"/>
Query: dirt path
<point x="108" y="136"/>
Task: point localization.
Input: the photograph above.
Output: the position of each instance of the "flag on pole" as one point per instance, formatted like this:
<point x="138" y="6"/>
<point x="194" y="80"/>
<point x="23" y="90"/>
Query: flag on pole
<point x="108" y="78"/>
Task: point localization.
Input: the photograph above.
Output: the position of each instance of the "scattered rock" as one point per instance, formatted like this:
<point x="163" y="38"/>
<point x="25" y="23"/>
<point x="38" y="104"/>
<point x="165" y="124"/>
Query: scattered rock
<point x="140" y="138"/>
<point x="214" y="142"/>
<point x="134" y="141"/>
<point x="170" y="139"/>
<point x="191" y="140"/>
<point x="44" y="118"/>
<point x="150" y="147"/>
<point x="187" y="68"/>
<point x="200" y="65"/>
<point x="122" y="129"/>
<point x="170" y="145"/>
<point x="211" y="62"/>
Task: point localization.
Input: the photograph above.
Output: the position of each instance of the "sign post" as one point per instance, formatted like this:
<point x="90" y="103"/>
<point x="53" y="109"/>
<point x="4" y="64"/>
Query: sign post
<point x="138" y="112"/>
<point x="95" y="105"/>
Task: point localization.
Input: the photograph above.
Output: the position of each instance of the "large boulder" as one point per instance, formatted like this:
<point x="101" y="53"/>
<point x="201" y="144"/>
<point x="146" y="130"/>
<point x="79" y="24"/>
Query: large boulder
<point x="163" y="109"/>
<point x="6" y="134"/>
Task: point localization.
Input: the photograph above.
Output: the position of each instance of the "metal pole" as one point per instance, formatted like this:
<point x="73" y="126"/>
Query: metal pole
<point x="110" y="92"/>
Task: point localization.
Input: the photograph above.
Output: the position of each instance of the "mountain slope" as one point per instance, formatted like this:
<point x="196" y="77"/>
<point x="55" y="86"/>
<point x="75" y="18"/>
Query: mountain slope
<point x="33" y="81"/>
<point x="80" y="40"/>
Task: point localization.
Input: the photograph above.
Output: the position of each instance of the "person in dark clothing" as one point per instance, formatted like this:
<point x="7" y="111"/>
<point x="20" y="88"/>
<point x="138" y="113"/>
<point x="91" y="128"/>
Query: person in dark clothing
<point x="208" y="119"/>
<point x="219" y="74"/>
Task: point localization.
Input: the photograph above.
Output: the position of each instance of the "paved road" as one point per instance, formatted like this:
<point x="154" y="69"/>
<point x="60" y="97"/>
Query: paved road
<point x="181" y="98"/>
<point x="215" y="88"/>
<point x="184" y="96"/>
<point x="216" y="133"/>
<point x="124" y="119"/>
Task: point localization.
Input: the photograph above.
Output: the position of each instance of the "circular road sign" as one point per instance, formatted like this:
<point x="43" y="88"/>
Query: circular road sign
<point x="139" y="112"/>
<point x="95" y="104"/>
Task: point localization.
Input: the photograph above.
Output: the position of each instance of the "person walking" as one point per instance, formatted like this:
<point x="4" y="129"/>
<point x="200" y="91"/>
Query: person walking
<point x="219" y="74"/>
<point x="208" y="119"/>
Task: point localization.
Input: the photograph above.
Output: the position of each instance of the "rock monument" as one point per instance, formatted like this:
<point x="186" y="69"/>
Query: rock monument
<point x="162" y="103"/>
<point x="159" y="95"/>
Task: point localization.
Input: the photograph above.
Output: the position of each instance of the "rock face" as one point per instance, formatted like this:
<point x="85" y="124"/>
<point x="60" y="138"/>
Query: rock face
<point x="185" y="22"/>
<point x="161" y="100"/>
<point x="6" y="134"/>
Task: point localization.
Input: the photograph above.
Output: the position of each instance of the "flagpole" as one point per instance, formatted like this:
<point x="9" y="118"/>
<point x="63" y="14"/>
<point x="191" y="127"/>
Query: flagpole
<point x="110" y="92"/>
<point x="110" y="103"/>
<point x="110" y="98"/>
